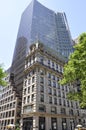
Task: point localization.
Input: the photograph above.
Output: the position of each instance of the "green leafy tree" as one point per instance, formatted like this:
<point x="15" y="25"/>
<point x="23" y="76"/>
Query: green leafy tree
<point x="2" y="76"/>
<point x="75" y="70"/>
<point x="17" y="127"/>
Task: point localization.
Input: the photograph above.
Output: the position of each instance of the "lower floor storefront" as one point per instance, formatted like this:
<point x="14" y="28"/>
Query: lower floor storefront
<point x="47" y="123"/>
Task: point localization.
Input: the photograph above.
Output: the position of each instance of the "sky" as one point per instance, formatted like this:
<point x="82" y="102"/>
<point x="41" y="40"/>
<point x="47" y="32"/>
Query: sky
<point x="10" y="14"/>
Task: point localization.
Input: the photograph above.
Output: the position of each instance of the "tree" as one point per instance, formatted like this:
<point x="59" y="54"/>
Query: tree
<point x="75" y="70"/>
<point x="2" y="76"/>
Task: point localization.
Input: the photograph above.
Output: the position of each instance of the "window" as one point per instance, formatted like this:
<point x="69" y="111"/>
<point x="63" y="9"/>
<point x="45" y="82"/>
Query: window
<point x="63" y="95"/>
<point x="49" y="91"/>
<point x="41" y="80"/>
<point x="9" y="113"/>
<point x="54" y="92"/>
<point x="66" y="88"/>
<point x="42" y="98"/>
<point x="32" y="97"/>
<point x="57" y="67"/>
<point x="13" y="113"/>
<point x="57" y="78"/>
<point x="42" y="108"/>
<point x="62" y="87"/>
<point x="67" y="103"/>
<point x="71" y="112"/>
<point x="59" y="94"/>
<point x="28" y="89"/>
<point x="53" y="77"/>
<point x="58" y="85"/>
<point x="25" y="82"/>
<point x="60" y="103"/>
<point x="24" y="91"/>
<point x="41" y="88"/>
<point x="52" y="64"/>
<point x="50" y="99"/>
<point x="33" y="79"/>
<point x="63" y="111"/>
<point x="41" y="60"/>
<point x="32" y="88"/>
<point x="61" y="69"/>
<point x="29" y="81"/>
<point x="28" y="108"/>
<point x="77" y="112"/>
<point x="33" y="72"/>
<point x="49" y="62"/>
<point x="53" y="110"/>
<point x="54" y="123"/>
<point x="54" y="84"/>
<point x="49" y="82"/>
<point x="41" y="72"/>
<point x="49" y="75"/>
<point x="64" y="103"/>
<point x="71" y="104"/>
<point x="24" y="100"/>
<point x="55" y="100"/>
<point x="28" y="99"/>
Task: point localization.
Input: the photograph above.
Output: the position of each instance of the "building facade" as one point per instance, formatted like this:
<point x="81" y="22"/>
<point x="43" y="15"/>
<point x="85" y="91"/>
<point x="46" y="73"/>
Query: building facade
<point x="10" y="105"/>
<point x="44" y="101"/>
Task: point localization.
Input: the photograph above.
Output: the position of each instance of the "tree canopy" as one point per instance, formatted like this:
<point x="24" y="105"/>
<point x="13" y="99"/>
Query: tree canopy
<point x="2" y="76"/>
<point x="75" y="70"/>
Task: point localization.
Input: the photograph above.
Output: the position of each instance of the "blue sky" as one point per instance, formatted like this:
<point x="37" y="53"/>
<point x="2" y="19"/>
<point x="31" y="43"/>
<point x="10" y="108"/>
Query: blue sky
<point x="10" y="14"/>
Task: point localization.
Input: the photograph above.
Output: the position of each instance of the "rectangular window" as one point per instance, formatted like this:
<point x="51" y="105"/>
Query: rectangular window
<point x="42" y="88"/>
<point x="49" y="62"/>
<point x="53" y="110"/>
<point x="42" y="108"/>
<point x="32" y="88"/>
<point x="54" y="84"/>
<point x="49" y="91"/>
<point x="49" y="82"/>
<point x="28" y="99"/>
<point x="24" y="91"/>
<point x="32" y="97"/>
<point x="28" y="89"/>
<point x="42" y="98"/>
<point x="54" y="92"/>
<point x="60" y="103"/>
<point x="50" y="99"/>
<point x="41" y="80"/>
<point x="24" y="100"/>
<point x="63" y="111"/>
<point x="49" y="75"/>
<point x="55" y="100"/>
<point x="33" y="79"/>
<point x="53" y="77"/>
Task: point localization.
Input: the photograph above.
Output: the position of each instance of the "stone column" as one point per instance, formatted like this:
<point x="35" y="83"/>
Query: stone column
<point x="35" y="123"/>
<point x="48" y="123"/>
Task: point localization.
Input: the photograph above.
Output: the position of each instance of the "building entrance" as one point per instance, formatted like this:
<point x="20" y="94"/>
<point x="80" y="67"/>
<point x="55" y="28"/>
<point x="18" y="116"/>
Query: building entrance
<point x="54" y="123"/>
<point x="41" y="123"/>
<point x="28" y="123"/>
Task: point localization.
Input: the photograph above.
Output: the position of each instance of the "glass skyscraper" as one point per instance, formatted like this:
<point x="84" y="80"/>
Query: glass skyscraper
<point x="39" y="23"/>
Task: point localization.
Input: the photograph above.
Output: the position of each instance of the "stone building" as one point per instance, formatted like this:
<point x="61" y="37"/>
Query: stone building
<point x="10" y="105"/>
<point x="44" y="101"/>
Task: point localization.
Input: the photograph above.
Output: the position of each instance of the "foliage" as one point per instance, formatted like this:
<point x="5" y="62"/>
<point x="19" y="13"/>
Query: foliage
<point x="17" y="127"/>
<point x="75" y="70"/>
<point x="2" y="76"/>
